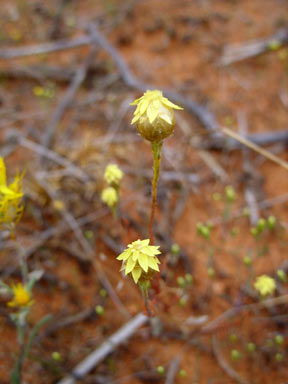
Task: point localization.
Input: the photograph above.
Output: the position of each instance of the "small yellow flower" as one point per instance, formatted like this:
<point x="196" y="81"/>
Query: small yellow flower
<point x="22" y="298"/>
<point x="154" y="116"/>
<point x="109" y="196"/>
<point x="140" y="259"/>
<point x="113" y="174"/>
<point x="11" y="207"/>
<point x="265" y="285"/>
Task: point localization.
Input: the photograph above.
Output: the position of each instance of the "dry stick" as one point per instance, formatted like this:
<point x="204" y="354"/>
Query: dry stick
<point x="256" y="148"/>
<point x="264" y="138"/>
<point x="173" y="369"/>
<point x="201" y="113"/>
<point x="239" y="52"/>
<point x="49" y="154"/>
<point x="247" y="168"/>
<point x="224" y="364"/>
<point x="124" y="333"/>
<point x="67" y="99"/>
<point x="38" y="49"/>
<point x="231" y="312"/>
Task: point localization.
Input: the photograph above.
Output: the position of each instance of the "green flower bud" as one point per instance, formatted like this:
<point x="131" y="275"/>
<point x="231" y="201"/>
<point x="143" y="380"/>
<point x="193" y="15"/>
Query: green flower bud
<point x="233" y="337"/>
<point x="175" y="249"/>
<point x="282" y="275"/>
<point x="182" y="373"/>
<point x="279" y="357"/>
<point x="247" y="261"/>
<point x="103" y="293"/>
<point x="279" y="339"/>
<point x="56" y="356"/>
<point x="189" y="278"/>
<point x="261" y="225"/>
<point x="251" y="347"/>
<point x="160" y="370"/>
<point x="230" y="194"/>
<point x="181" y="281"/>
<point x="211" y="272"/>
<point x="271" y="222"/>
<point x="99" y="310"/>
<point x="235" y="355"/>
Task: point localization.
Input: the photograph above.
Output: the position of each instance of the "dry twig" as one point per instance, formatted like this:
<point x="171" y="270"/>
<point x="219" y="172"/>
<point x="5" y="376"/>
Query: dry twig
<point x="90" y="362"/>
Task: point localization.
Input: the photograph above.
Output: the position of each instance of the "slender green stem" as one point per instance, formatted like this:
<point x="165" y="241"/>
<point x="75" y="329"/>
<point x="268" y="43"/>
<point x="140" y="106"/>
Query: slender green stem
<point x="156" y="151"/>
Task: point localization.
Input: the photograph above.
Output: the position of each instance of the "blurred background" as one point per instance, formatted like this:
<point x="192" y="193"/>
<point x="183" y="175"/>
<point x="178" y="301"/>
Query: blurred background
<point x="69" y="70"/>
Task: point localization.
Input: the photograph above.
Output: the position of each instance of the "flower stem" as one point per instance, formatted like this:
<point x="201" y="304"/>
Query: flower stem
<point x="156" y="151"/>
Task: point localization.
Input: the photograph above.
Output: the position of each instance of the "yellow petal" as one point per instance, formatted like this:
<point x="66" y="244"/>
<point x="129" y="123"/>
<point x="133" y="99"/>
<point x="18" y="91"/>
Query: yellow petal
<point x="2" y="172"/>
<point x="169" y="104"/>
<point x="143" y="262"/>
<point x="153" y="264"/>
<point x="136" y="273"/>
<point x="135" y="118"/>
<point x="166" y="118"/>
<point x="152" y="113"/>
<point x="130" y="265"/>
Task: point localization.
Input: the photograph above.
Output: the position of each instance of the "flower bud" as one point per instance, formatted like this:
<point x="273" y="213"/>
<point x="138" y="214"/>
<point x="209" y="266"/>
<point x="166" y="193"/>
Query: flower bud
<point x="154" y="116"/>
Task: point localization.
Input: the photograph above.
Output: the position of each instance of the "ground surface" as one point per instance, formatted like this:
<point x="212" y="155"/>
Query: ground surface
<point x="170" y="44"/>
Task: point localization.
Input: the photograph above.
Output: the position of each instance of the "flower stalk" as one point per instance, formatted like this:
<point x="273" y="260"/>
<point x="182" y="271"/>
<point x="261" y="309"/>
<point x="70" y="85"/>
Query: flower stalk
<point x="156" y="151"/>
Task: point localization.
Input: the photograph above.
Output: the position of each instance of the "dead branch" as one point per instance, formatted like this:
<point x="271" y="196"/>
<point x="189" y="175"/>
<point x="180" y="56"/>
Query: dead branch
<point x="38" y="49"/>
<point x="240" y="52"/>
<point x="90" y="362"/>
<point x="66" y="100"/>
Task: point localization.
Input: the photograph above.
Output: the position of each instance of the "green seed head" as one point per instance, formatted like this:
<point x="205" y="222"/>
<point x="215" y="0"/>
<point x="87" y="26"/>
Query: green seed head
<point x="254" y="231"/>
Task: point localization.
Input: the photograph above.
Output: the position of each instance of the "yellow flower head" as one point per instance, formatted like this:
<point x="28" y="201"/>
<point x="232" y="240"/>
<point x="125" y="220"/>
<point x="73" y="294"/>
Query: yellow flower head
<point x="154" y="116"/>
<point x="109" y="196"/>
<point x="113" y="174"/>
<point x="11" y="207"/>
<point x="265" y="285"/>
<point x="140" y="259"/>
<point x="22" y="298"/>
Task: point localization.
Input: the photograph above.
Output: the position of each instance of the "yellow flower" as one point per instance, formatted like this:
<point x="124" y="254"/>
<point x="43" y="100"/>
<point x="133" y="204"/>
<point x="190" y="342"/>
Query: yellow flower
<point x="113" y="174"/>
<point x="11" y="207"/>
<point x="22" y="298"/>
<point x="140" y="259"/>
<point x="265" y="285"/>
<point x="109" y="196"/>
<point x="154" y="116"/>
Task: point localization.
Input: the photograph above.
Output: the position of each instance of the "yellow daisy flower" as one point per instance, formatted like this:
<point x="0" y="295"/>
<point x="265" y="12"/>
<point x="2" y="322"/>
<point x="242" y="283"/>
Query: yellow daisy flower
<point x="265" y="285"/>
<point x="11" y="207"/>
<point x="154" y="116"/>
<point x="22" y="298"/>
<point x="140" y="259"/>
<point x="113" y="174"/>
<point x="109" y="196"/>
